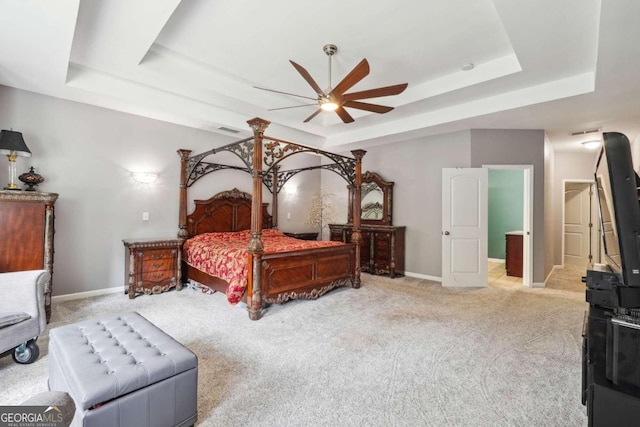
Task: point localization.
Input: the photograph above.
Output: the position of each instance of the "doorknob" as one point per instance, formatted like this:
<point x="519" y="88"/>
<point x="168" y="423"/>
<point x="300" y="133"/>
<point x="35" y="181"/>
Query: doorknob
<point x="446" y="233"/>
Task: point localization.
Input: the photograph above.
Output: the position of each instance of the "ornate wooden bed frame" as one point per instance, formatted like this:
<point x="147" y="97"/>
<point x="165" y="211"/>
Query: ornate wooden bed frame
<point x="276" y="277"/>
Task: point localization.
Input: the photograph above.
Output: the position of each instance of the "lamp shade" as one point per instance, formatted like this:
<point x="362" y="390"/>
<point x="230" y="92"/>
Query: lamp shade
<point x="11" y="142"/>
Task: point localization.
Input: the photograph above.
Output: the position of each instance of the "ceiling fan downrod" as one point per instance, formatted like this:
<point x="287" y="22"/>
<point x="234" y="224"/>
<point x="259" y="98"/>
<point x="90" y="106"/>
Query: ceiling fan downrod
<point x="330" y="50"/>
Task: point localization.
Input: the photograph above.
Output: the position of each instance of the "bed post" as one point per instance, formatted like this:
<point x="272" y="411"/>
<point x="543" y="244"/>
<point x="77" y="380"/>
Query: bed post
<point x="182" y="214"/>
<point x="356" y="237"/>
<point x="254" y="298"/>
<point x="274" y="199"/>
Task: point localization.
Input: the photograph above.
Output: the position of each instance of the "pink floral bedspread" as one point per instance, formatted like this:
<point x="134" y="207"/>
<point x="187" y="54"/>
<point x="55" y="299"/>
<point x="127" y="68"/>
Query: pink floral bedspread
<point x="225" y="255"/>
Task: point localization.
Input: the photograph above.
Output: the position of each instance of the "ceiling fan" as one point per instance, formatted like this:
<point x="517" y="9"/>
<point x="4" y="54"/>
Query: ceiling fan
<point x="335" y="99"/>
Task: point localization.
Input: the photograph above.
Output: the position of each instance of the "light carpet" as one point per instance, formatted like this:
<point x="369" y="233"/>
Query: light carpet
<point x="401" y="352"/>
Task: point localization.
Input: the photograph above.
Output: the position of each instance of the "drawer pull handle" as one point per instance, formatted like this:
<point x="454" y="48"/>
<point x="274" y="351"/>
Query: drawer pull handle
<point x="156" y="264"/>
<point x="157" y="275"/>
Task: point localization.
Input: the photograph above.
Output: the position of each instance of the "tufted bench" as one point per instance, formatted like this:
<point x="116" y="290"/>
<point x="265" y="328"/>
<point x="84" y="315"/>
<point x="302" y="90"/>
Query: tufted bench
<point x="124" y="371"/>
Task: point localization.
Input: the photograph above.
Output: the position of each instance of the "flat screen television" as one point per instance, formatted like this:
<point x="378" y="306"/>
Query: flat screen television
<point x="617" y="185"/>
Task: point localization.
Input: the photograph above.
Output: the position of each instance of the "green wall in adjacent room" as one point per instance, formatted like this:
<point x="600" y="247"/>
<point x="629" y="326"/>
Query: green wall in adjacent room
<point x="506" y="194"/>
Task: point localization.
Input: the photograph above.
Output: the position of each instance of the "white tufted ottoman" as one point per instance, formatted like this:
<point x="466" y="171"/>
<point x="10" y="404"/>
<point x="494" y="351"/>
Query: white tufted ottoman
<point x="124" y="371"/>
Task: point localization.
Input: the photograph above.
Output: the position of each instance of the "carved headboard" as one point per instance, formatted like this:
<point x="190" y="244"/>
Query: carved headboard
<point x="226" y="211"/>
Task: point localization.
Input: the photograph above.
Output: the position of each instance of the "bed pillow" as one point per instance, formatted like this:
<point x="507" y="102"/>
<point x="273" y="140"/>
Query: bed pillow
<point x="8" y="318"/>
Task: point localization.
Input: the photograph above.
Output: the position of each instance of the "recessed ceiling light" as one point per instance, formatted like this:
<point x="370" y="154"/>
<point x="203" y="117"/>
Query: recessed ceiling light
<point x="468" y="67"/>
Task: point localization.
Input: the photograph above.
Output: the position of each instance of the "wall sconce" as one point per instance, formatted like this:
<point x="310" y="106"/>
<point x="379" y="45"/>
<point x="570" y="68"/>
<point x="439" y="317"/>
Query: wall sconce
<point x="145" y="177"/>
<point x="12" y="144"/>
<point x="591" y="145"/>
<point x="290" y="190"/>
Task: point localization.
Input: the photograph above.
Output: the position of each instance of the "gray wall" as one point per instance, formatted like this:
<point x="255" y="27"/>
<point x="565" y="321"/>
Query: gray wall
<point x="567" y="166"/>
<point x="549" y="209"/>
<point x="416" y="168"/>
<point x="86" y="154"/>
<point x="517" y="147"/>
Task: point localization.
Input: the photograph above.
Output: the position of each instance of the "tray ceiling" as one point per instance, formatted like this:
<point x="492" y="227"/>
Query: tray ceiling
<point x="538" y="64"/>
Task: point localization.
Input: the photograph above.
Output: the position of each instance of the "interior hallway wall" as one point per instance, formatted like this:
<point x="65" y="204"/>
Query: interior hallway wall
<point x="568" y="166"/>
<point x="549" y="208"/>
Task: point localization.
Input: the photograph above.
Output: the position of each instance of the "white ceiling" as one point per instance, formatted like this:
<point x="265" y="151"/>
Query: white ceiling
<point x="562" y="66"/>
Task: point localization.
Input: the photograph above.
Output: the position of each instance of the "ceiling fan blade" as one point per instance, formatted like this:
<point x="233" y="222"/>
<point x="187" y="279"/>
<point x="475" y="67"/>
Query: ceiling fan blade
<point x="285" y="93"/>
<point x="346" y="117"/>
<point x="293" y="106"/>
<point x="374" y="108"/>
<point x="312" y="116"/>
<point x="358" y="73"/>
<point x="305" y="75"/>
<point x="375" y="93"/>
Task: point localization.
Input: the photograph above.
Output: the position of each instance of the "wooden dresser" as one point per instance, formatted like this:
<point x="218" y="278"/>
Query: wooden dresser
<point x="381" y="248"/>
<point x="152" y="266"/>
<point x="382" y="244"/>
<point x="513" y="261"/>
<point x="27" y="228"/>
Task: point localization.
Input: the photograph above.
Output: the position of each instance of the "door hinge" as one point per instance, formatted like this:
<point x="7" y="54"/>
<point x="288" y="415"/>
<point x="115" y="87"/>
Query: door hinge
<point x="590" y="225"/>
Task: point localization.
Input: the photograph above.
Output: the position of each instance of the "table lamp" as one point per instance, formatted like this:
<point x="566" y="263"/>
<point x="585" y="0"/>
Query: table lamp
<point x="12" y="144"/>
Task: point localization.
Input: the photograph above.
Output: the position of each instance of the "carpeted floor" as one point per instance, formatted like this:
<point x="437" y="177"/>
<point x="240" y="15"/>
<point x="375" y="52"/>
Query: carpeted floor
<point x="401" y="352"/>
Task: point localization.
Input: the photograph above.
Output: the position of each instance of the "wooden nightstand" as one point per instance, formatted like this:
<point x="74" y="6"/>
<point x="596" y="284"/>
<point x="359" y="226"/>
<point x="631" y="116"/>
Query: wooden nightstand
<point x="152" y="266"/>
<point x="303" y="236"/>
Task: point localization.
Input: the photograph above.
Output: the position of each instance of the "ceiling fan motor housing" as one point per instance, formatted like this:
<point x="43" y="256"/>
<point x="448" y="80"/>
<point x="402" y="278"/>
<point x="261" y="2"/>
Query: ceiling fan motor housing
<point x="330" y="49"/>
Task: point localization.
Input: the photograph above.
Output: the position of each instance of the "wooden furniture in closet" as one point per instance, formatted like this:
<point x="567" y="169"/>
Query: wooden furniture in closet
<point x="514" y="253"/>
<point x="382" y="244"/>
<point x="27" y="228"/>
<point x="152" y="266"/>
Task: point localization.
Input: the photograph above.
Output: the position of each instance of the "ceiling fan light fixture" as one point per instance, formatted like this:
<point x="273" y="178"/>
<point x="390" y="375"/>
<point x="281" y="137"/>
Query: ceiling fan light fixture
<point x="328" y="106"/>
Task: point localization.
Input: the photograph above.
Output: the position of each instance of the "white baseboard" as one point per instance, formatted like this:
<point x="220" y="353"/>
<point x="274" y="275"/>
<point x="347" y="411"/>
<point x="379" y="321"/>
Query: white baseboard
<point x="496" y="260"/>
<point x="422" y="276"/>
<point x="87" y="294"/>
<point x="538" y="285"/>
<point x="555" y="267"/>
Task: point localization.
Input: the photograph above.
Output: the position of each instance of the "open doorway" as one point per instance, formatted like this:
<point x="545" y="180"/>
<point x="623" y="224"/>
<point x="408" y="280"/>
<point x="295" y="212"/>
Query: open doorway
<point x="510" y="207"/>
<point x="464" y="206"/>
<point x="580" y="234"/>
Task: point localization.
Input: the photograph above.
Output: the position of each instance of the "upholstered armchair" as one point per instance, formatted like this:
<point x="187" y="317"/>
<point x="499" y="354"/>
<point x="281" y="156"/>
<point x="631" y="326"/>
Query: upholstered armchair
<point x="22" y="313"/>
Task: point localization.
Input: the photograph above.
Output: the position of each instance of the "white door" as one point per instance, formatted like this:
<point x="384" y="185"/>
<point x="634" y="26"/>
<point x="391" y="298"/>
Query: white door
<point x="577" y="223"/>
<point x="464" y="226"/>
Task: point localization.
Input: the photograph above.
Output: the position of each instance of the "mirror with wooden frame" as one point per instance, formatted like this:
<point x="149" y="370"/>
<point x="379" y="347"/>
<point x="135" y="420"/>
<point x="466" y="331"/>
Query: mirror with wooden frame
<point x="376" y="200"/>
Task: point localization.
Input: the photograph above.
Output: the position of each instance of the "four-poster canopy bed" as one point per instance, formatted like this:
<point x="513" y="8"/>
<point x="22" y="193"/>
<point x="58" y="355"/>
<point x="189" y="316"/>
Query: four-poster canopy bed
<point x="272" y="267"/>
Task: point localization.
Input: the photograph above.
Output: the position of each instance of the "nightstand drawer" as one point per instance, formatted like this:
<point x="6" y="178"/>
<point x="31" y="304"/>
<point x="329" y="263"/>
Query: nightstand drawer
<point x="156" y="254"/>
<point x="157" y="276"/>
<point x="158" y="264"/>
